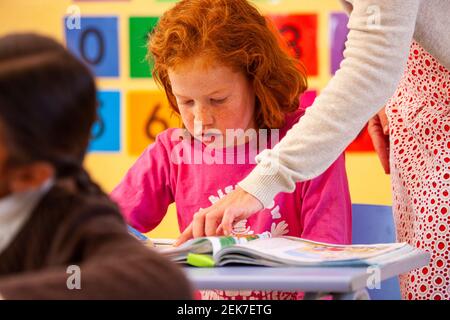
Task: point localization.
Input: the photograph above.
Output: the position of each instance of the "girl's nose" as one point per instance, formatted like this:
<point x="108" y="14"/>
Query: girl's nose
<point x="203" y="115"/>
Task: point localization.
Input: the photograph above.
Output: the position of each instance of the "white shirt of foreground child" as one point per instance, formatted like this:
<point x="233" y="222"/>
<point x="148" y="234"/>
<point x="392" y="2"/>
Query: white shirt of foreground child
<point x="15" y="210"/>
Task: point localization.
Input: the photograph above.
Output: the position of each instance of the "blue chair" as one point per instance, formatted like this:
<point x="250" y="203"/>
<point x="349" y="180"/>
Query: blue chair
<point x="375" y="224"/>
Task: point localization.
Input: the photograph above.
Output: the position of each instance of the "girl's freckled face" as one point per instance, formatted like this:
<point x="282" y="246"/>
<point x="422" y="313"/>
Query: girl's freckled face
<point x="212" y="98"/>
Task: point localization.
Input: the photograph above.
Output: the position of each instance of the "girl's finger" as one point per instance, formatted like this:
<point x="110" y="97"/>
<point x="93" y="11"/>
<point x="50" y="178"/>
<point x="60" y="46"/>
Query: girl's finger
<point x="198" y="224"/>
<point x="219" y="230"/>
<point x="211" y="224"/>
<point x="227" y="222"/>
<point x="185" y="236"/>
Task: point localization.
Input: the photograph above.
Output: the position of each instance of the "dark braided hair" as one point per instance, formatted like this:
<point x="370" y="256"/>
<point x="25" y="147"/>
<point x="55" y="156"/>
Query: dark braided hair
<point x="47" y="106"/>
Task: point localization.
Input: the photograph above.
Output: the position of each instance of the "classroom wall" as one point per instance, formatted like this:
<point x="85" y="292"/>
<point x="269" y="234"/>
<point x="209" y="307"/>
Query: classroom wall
<point x="133" y="110"/>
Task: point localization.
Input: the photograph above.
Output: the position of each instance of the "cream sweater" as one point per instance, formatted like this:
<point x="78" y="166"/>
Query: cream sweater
<point x="374" y="61"/>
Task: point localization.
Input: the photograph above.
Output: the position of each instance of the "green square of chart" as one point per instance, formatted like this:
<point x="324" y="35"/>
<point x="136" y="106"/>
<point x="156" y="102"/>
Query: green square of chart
<point x="140" y="27"/>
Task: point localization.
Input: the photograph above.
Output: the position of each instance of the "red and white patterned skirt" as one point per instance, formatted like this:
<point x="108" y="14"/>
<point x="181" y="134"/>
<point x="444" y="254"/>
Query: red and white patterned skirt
<point x="419" y="119"/>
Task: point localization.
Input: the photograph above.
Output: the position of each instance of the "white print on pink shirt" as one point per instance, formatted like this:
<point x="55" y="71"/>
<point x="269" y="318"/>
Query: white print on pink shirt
<point x="280" y="229"/>
<point x="241" y="228"/>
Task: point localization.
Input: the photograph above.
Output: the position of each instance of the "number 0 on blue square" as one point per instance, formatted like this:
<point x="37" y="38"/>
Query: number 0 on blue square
<point x="96" y="43"/>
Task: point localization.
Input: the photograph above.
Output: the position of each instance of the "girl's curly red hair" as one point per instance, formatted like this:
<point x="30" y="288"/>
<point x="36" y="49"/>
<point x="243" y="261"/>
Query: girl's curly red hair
<point x="233" y="32"/>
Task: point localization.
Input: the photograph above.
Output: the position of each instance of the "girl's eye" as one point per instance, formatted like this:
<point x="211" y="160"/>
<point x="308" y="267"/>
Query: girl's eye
<point x="187" y="102"/>
<point x="218" y="101"/>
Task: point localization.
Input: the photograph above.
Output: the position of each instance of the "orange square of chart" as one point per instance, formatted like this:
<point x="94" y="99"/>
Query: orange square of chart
<point x="300" y="33"/>
<point x="148" y="113"/>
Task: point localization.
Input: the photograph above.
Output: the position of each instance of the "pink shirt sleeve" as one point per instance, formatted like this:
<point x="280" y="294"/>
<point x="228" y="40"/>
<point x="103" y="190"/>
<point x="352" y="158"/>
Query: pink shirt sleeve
<point x="145" y="193"/>
<point x="326" y="209"/>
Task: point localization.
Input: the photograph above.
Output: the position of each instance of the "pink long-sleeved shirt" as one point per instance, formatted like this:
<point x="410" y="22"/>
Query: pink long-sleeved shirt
<point x="184" y="171"/>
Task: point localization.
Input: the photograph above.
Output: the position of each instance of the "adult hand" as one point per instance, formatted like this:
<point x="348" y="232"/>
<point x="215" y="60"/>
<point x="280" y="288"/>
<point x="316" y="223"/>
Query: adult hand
<point x="378" y="128"/>
<point x="220" y="217"/>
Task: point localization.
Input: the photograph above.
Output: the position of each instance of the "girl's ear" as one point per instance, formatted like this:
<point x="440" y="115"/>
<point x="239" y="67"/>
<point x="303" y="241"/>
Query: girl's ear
<point x="30" y="176"/>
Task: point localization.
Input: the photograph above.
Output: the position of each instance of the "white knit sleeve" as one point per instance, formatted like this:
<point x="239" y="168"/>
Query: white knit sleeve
<point x="375" y="57"/>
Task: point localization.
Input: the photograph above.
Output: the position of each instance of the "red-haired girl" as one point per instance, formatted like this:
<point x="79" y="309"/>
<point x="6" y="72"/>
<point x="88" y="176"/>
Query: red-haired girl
<point x="237" y="91"/>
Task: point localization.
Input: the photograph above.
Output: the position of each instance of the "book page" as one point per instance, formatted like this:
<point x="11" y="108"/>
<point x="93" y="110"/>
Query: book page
<point x="219" y="243"/>
<point x="209" y="245"/>
<point x="299" y="251"/>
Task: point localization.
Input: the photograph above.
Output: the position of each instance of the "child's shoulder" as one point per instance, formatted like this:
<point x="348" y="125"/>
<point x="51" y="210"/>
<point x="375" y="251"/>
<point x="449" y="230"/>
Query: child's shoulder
<point x="170" y="137"/>
<point x="64" y="208"/>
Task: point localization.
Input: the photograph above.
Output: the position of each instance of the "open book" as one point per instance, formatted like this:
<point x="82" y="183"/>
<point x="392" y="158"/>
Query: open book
<point x="263" y="250"/>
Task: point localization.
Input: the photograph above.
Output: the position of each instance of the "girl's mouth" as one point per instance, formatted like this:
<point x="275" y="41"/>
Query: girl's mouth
<point x="209" y="138"/>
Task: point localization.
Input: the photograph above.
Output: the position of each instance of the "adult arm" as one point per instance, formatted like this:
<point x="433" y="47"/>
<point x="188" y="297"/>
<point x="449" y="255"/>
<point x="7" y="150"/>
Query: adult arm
<point x="377" y="47"/>
<point x="374" y="61"/>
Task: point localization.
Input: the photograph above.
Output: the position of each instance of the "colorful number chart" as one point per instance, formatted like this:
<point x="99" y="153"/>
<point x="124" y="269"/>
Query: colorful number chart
<point x="98" y="43"/>
<point x="110" y="36"/>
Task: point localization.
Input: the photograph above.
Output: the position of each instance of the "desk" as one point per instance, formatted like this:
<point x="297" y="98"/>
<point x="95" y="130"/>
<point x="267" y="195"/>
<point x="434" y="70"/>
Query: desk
<point x="342" y="282"/>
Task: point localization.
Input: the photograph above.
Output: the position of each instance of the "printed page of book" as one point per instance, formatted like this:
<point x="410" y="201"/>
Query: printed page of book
<point x="211" y="245"/>
<point x="296" y="251"/>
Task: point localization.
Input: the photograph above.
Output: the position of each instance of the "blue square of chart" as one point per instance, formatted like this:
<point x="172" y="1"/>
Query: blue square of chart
<point x="96" y="43"/>
<point x="106" y="132"/>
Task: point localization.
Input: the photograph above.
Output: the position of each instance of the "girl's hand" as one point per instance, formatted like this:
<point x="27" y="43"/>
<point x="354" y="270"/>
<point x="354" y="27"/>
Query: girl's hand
<point x="378" y="128"/>
<point x="220" y="217"/>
